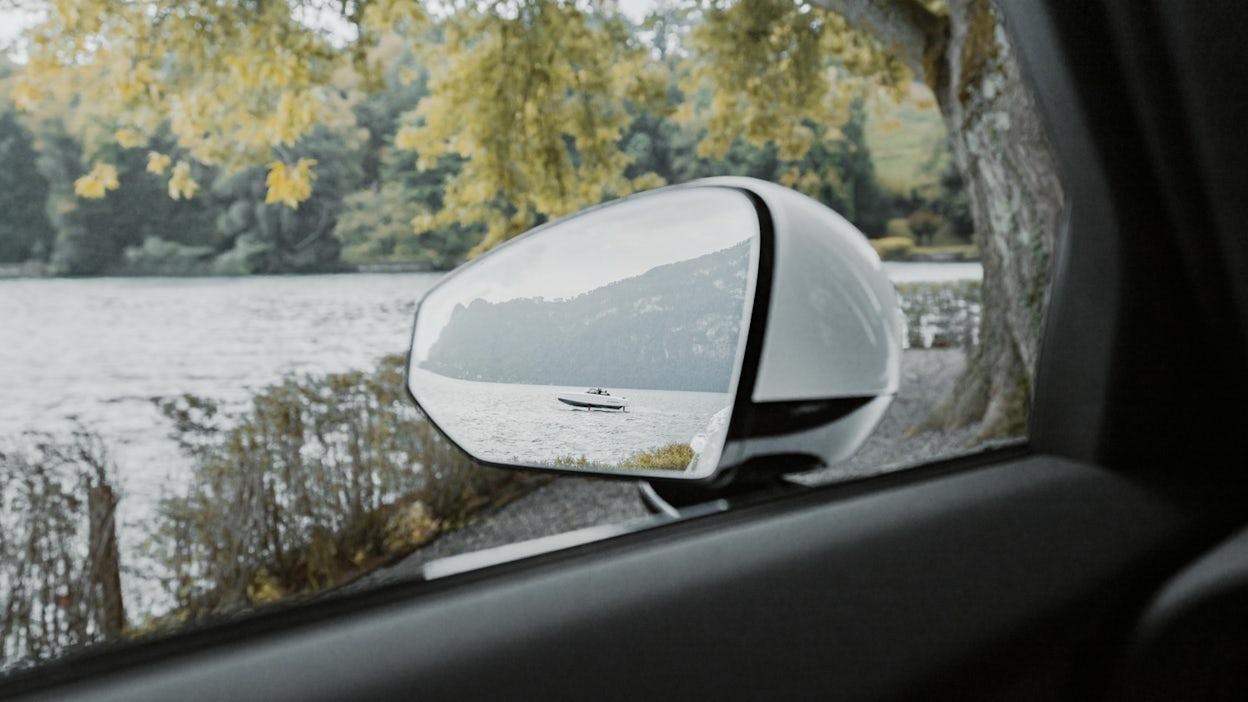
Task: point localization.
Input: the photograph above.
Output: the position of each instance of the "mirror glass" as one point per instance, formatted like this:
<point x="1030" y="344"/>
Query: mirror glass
<point x="608" y="341"/>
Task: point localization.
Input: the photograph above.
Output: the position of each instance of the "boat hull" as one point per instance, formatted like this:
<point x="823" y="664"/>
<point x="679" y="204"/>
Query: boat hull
<point x="589" y="401"/>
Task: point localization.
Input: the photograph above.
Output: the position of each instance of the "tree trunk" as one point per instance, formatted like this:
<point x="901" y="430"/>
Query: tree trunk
<point x="1016" y="201"/>
<point x="1006" y="164"/>
<point x="105" y="563"/>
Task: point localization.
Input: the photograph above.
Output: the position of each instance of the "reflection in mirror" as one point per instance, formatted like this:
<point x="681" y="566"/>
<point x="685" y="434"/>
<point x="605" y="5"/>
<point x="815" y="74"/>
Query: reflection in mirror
<point x="609" y="340"/>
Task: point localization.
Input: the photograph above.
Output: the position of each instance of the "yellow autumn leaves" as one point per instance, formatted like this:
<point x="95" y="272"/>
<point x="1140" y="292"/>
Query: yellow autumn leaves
<point x="290" y="185"/>
<point x="181" y="184"/>
<point x="776" y="72"/>
<point x="232" y="82"/>
<point x="533" y="98"/>
<point x="102" y="178"/>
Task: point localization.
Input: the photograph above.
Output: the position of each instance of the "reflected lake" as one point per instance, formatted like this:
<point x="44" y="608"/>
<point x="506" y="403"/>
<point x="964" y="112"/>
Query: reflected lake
<point x="513" y="421"/>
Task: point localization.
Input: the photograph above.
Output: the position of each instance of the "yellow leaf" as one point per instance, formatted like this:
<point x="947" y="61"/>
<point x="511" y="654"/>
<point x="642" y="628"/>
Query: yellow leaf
<point x="422" y="223"/>
<point x="181" y="184"/>
<point x="290" y="186"/>
<point x="407" y="138"/>
<point x="157" y="162"/>
<point x="26" y="95"/>
<point x="889" y="126"/>
<point x="101" y="179"/>
<point x="128" y="138"/>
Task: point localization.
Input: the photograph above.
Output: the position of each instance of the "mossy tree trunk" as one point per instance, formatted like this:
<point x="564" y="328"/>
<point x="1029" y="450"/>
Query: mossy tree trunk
<point x="1016" y="200"/>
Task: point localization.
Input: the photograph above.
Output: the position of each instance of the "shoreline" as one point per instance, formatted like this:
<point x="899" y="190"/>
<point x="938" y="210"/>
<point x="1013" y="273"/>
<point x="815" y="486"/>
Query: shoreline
<point x="38" y="271"/>
<point x="26" y="271"/>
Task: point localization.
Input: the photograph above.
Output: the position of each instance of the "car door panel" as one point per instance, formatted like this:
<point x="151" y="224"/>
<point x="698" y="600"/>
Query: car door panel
<point x="970" y="582"/>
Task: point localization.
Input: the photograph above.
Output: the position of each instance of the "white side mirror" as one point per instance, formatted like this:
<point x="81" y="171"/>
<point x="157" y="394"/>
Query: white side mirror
<point x="688" y="333"/>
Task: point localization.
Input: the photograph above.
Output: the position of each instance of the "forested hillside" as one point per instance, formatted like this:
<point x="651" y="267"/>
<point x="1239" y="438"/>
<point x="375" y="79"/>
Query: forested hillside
<point x="674" y="327"/>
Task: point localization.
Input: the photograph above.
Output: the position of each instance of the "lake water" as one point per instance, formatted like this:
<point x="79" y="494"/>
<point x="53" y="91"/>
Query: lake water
<point x="95" y="352"/>
<point x="518" y="423"/>
<point x="905" y="272"/>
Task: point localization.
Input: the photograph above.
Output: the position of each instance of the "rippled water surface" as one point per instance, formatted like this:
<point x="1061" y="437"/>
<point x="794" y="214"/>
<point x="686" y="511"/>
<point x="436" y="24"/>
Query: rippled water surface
<point x="518" y="423"/>
<point x="96" y="351"/>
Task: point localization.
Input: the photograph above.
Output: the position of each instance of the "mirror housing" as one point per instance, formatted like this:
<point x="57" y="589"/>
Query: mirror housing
<point x="792" y="365"/>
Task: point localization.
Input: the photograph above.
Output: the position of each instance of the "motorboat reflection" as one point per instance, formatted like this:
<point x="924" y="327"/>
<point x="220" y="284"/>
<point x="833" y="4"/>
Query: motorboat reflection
<point x="594" y="398"/>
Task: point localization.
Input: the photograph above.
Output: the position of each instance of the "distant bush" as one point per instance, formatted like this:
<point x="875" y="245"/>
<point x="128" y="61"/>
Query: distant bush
<point x="893" y="248"/>
<point x="161" y="257"/>
<point x="320" y="478"/>
<point x="898" y="227"/>
<point x="923" y="226"/>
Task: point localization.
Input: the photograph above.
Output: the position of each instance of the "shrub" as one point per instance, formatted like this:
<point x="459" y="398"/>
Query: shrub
<point x="319" y="478"/>
<point x="158" y="256"/>
<point x="60" y="581"/>
<point x="893" y="248"/>
<point x="898" y="227"/>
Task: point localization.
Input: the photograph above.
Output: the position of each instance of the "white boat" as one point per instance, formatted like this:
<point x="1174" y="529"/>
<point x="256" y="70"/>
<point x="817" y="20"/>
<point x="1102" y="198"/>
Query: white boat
<point x="593" y="398"/>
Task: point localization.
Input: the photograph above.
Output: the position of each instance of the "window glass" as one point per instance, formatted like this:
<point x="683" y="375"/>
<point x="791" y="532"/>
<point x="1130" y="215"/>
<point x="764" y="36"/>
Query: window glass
<point x="190" y="430"/>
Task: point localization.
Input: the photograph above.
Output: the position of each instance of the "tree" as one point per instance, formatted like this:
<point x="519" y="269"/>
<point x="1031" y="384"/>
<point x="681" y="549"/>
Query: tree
<point x="91" y="233"/>
<point x="263" y="236"/>
<point x="1003" y="156"/>
<point x="376" y="222"/>
<point x="535" y="96"/>
<point x="963" y="53"/>
<point x="238" y="83"/>
<point x="25" y="232"/>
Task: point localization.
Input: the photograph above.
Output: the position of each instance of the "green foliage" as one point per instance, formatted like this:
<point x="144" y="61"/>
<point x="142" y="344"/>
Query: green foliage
<point x="25" y="233"/>
<point x="376" y="225"/>
<point x="92" y="234"/>
<point x="415" y="164"/>
<point x="264" y="237"/>
<point x="893" y="248"/>
<point x="534" y="96"/>
<point x="162" y="257"/>
<point x="909" y="145"/>
<point x="319" y="477"/>
<point x="898" y="227"/>
<point x="923" y="225"/>
<point x="954" y="205"/>
<point x="951" y="252"/>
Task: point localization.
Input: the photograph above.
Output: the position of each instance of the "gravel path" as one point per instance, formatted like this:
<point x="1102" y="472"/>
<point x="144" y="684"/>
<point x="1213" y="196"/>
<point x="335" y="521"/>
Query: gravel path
<point x="569" y="503"/>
